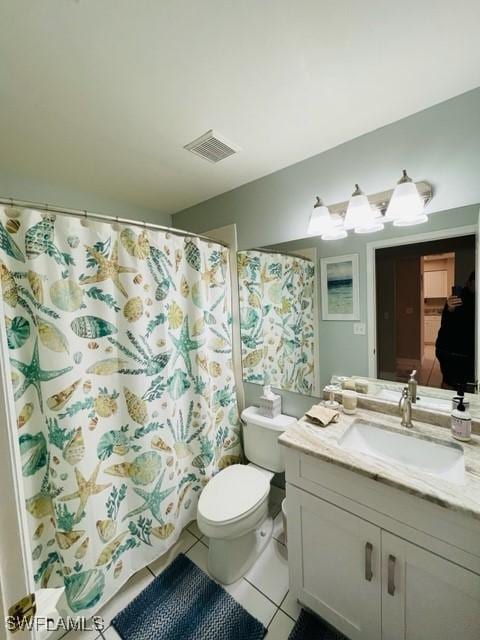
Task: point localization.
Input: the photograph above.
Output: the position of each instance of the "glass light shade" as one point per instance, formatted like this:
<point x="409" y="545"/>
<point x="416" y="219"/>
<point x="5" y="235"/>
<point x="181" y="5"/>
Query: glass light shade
<point x="406" y="205"/>
<point x="372" y="224"/>
<point x="410" y="222"/>
<point x="335" y="233"/>
<point x="320" y="220"/>
<point x="360" y="215"/>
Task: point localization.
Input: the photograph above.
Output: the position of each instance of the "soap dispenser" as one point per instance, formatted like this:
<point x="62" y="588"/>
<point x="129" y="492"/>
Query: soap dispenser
<point x="461" y="423"/>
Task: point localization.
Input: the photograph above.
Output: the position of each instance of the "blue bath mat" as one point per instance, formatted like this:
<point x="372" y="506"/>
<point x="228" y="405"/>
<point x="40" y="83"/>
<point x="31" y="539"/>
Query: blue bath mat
<point x="183" y="603"/>
<point x="310" y="627"/>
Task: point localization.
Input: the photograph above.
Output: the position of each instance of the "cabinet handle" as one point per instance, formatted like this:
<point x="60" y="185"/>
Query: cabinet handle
<point x="368" y="561"/>
<point x="391" y="575"/>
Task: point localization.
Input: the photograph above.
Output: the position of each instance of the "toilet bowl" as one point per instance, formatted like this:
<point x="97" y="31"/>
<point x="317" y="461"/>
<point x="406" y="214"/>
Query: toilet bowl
<point x="233" y="513"/>
<point x="233" y="507"/>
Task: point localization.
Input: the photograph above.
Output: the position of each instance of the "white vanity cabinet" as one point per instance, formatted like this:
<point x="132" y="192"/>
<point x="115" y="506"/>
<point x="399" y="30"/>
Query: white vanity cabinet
<point x="378" y="563"/>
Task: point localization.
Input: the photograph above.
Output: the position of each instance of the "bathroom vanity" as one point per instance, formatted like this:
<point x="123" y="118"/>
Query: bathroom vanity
<point x="384" y="527"/>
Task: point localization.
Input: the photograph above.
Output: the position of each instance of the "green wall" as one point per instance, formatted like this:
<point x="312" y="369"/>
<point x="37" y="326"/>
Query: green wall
<point x="440" y="144"/>
<point x="61" y="195"/>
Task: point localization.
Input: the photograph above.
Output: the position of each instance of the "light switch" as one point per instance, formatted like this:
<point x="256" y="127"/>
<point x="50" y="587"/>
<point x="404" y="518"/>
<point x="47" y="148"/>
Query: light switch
<point x="359" y="329"/>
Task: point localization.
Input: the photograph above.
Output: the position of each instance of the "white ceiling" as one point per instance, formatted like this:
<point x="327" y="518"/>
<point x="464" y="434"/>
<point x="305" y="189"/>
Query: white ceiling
<point x="103" y="94"/>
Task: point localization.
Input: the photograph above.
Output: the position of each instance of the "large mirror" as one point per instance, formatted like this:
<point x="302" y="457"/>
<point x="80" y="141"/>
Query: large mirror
<point x="425" y="312"/>
<point x="385" y="304"/>
<point x="278" y="319"/>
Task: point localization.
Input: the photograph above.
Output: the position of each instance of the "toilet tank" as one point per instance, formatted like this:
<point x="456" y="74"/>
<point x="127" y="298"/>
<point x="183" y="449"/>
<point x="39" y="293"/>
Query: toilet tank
<point x="260" y="438"/>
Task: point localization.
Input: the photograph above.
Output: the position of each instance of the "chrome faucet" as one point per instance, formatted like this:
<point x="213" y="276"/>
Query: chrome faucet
<point x="405" y="406"/>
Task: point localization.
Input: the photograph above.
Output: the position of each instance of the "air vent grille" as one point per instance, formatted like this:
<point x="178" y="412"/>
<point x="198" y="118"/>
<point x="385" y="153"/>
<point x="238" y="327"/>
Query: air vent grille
<point x="212" y="146"/>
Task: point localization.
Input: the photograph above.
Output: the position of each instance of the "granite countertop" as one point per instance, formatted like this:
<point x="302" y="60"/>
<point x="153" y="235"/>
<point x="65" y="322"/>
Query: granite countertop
<point x="322" y="443"/>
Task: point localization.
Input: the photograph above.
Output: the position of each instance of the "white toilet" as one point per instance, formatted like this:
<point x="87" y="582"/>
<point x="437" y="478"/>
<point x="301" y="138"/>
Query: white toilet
<point x="233" y="507"/>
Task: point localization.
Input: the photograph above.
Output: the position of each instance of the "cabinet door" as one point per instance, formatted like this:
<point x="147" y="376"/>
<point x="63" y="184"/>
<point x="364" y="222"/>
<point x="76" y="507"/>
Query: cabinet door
<point x="425" y="597"/>
<point x="435" y="284"/>
<point x="431" y="326"/>
<point x="334" y="561"/>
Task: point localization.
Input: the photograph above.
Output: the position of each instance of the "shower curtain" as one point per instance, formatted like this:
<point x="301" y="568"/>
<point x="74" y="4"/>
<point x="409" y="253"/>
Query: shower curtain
<point x="277" y="318"/>
<point x="121" y="368"/>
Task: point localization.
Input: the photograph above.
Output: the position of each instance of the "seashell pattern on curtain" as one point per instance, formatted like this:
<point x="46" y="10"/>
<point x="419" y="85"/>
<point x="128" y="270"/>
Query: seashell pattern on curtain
<point x="120" y="347"/>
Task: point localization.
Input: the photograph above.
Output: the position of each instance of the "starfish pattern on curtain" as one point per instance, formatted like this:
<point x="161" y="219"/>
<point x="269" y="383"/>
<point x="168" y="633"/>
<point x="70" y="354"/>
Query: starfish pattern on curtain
<point x="120" y="347"/>
<point x="33" y="374"/>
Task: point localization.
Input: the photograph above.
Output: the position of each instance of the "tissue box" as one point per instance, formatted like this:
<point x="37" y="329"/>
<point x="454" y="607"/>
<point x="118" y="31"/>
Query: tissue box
<point x="270" y="407"/>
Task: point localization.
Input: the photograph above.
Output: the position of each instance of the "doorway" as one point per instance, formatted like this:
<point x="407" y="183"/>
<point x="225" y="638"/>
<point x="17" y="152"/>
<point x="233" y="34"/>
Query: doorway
<point x="438" y="274"/>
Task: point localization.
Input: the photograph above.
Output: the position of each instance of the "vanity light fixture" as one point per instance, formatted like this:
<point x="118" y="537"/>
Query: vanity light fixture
<point x="360" y="215"/>
<point x="406" y="206"/>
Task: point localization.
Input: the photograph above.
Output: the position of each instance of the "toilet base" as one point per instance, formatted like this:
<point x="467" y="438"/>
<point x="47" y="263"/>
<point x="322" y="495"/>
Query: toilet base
<point x="229" y="560"/>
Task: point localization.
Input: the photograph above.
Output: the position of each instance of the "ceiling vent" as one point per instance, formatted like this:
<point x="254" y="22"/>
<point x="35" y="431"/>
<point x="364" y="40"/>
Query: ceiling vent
<point x="212" y="146"/>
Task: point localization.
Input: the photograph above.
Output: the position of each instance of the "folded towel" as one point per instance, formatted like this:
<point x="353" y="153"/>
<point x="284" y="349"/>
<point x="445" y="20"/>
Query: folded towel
<point x="322" y="416"/>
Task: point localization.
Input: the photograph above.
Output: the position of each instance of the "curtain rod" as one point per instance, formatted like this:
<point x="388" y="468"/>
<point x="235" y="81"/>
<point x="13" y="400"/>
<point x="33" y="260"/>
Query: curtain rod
<point x="280" y="253"/>
<point x="101" y="217"/>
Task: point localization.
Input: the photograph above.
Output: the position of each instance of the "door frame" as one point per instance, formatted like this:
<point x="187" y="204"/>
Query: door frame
<point x="371" y="247"/>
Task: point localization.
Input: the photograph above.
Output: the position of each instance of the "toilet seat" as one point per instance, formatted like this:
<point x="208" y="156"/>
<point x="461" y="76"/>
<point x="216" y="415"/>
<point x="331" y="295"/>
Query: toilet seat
<point x="232" y="498"/>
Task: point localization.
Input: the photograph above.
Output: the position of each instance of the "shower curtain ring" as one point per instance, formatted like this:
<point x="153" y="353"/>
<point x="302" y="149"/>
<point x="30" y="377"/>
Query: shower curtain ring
<point x="83" y="221"/>
<point x="12" y="213"/>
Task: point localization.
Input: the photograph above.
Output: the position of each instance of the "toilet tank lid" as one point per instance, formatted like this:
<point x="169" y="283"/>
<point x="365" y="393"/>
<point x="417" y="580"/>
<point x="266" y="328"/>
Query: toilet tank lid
<point x="279" y="423"/>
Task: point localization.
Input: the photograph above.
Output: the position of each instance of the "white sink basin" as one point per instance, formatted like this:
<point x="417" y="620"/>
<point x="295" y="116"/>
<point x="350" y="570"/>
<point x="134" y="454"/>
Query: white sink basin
<point x="440" y="459"/>
<point x="438" y="404"/>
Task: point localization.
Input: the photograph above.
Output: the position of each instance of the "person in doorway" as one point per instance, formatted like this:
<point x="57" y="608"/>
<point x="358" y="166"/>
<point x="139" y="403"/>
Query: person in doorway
<point x="455" y="345"/>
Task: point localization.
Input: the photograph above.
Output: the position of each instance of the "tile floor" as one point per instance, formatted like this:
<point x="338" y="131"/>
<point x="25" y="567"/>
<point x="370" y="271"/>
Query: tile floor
<point x="263" y="591"/>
